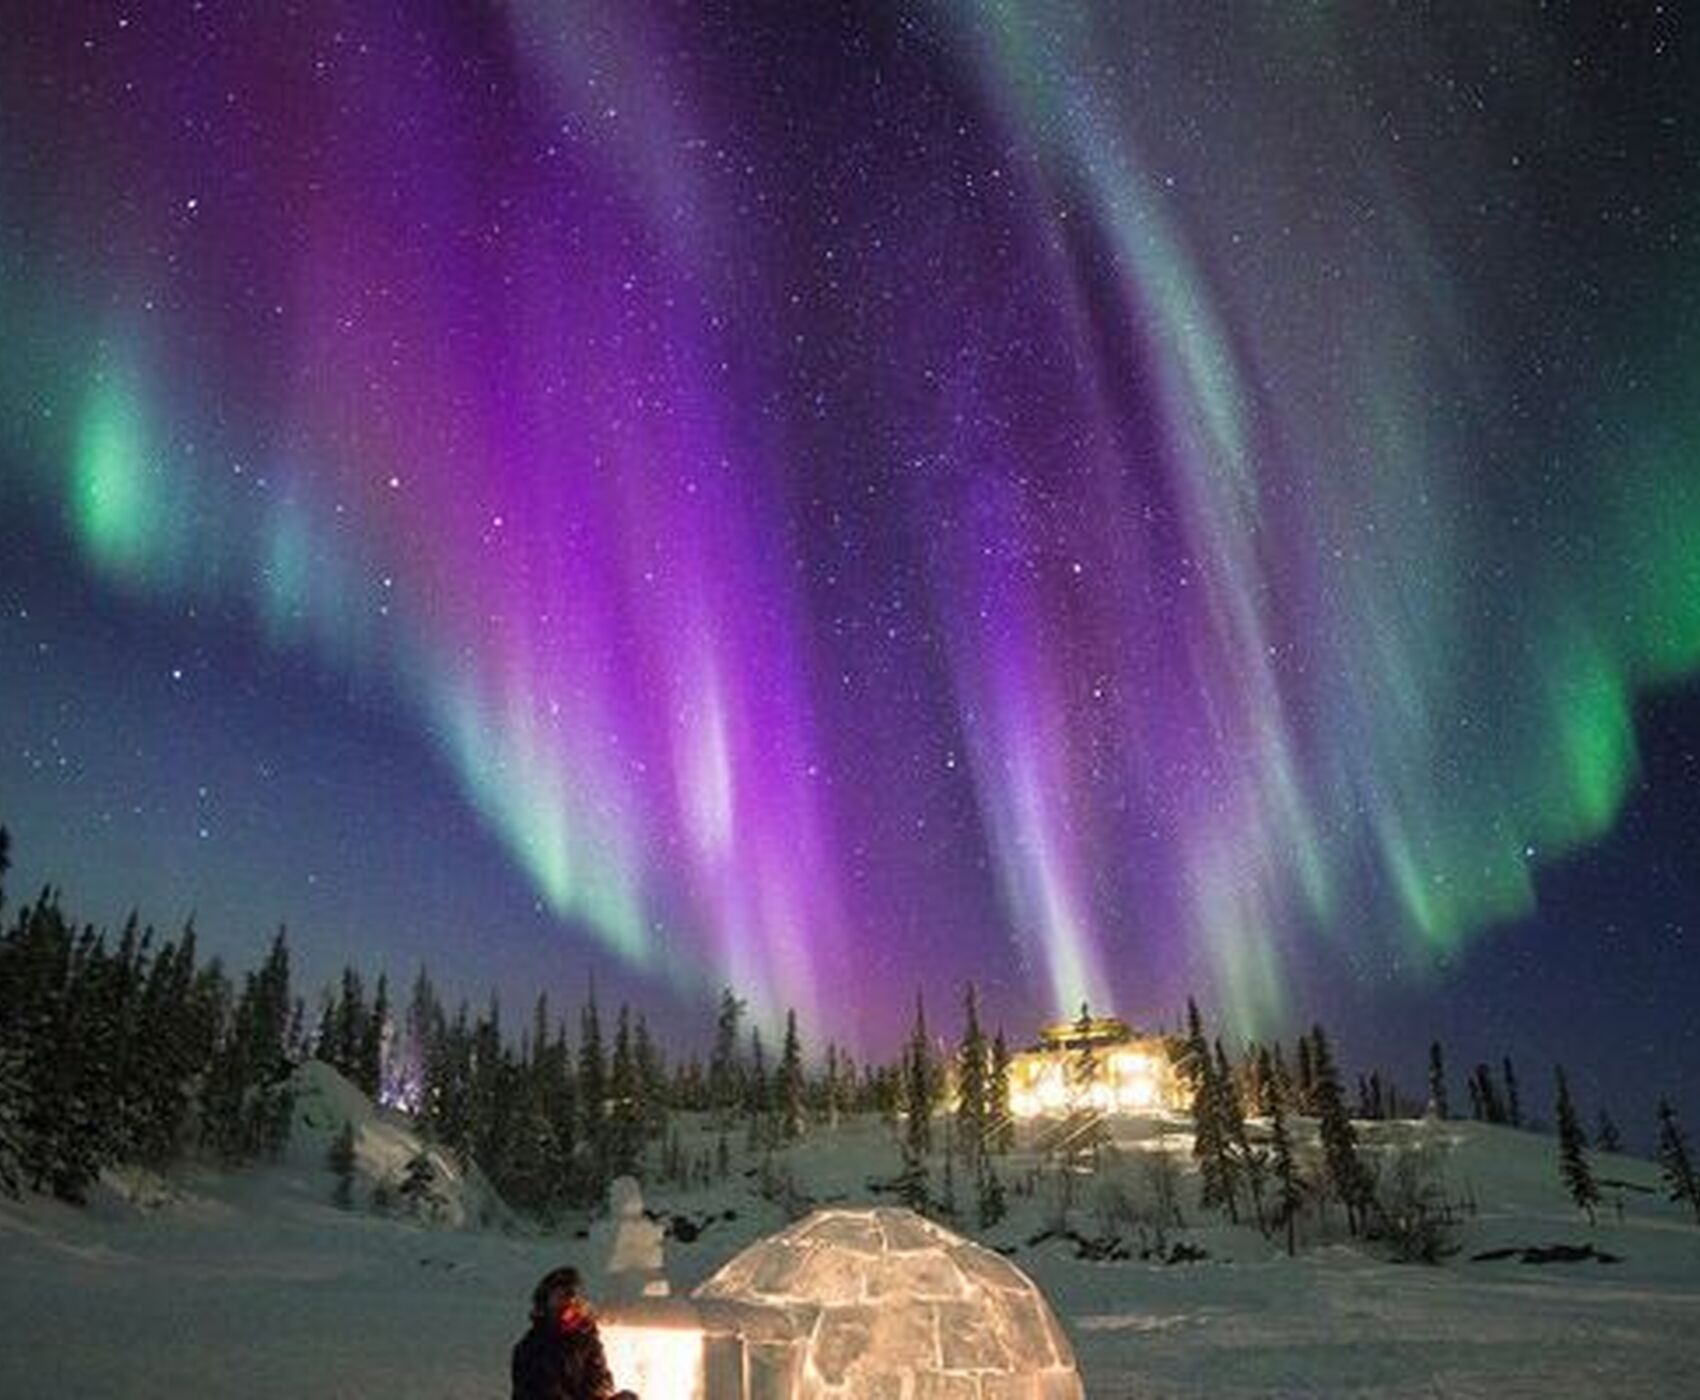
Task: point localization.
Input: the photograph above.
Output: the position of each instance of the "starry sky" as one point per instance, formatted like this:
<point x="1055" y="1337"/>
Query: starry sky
<point x="1108" y="501"/>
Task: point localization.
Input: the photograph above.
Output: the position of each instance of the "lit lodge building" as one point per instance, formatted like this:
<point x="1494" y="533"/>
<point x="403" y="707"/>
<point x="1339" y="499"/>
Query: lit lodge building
<point x="1094" y="1063"/>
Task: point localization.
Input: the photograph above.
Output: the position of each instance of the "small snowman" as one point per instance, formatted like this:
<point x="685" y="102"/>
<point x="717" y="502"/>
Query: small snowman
<point x="634" y="1265"/>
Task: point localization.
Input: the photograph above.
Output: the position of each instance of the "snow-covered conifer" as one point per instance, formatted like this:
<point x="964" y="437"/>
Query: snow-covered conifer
<point x="791" y="1082"/>
<point x="973" y="1118"/>
<point x="1437" y="1098"/>
<point x="1347" y="1176"/>
<point x="1573" y="1150"/>
<point x="1289" y="1191"/>
<point x="1675" y="1164"/>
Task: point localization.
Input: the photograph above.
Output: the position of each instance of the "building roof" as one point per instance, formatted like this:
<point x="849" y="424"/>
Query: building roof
<point x="1097" y="1030"/>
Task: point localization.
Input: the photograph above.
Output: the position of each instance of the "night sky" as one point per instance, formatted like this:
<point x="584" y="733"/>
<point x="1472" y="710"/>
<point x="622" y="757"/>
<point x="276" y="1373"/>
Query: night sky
<point x="1105" y="500"/>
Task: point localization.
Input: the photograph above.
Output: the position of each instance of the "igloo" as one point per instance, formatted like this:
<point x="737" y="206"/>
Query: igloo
<point x="875" y="1304"/>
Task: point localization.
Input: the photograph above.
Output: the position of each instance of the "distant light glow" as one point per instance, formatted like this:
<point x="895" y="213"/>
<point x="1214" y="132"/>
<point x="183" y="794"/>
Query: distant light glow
<point x="1048" y="1083"/>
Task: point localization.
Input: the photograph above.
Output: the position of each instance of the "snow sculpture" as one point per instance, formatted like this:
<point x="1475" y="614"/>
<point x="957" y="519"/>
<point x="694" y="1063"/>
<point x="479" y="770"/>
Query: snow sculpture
<point x="634" y="1265"/>
<point x="873" y="1302"/>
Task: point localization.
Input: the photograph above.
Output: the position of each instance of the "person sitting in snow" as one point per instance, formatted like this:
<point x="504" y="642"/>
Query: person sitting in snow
<point x="561" y="1357"/>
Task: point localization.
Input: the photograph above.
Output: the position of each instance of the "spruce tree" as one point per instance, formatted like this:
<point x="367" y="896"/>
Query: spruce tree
<point x="1606" y="1136"/>
<point x="1242" y="1163"/>
<point x="1675" y="1164"/>
<point x="1269" y="1093"/>
<point x="1437" y="1104"/>
<point x="1573" y="1150"/>
<point x="972" y="1107"/>
<point x="1083" y="1063"/>
<point x="997" y="1097"/>
<point x="173" y="1059"/>
<point x="1193" y="1061"/>
<point x="1346" y="1172"/>
<point x="558" y="1086"/>
<point x="12" y="1091"/>
<point x="1485" y="1097"/>
<point x="990" y="1205"/>
<point x="490" y="1101"/>
<point x="1305" y="1085"/>
<point x="1289" y="1192"/>
<point x="1206" y="1127"/>
<point x="625" y="1112"/>
<point x="535" y="1172"/>
<point x="418" y="1189"/>
<point x="372" y="1038"/>
<point x="112" y="985"/>
<point x="36" y="1002"/>
<point x="725" y="1092"/>
<point x="947" y="1183"/>
<point x="652" y="1079"/>
<point x="913" y="1183"/>
<point x="593" y="1097"/>
<point x="246" y="1100"/>
<point x="832" y="1090"/>
<point x="1085" y="1131"/>
<point x="915" y="1087"/>
<point x="688" y="1086"/>
<point x="1212" y="1116"/>
<point x="791" y="1082"/>
<point x="1211" y="1144"/>
<point x="918" y="1082"/>
<point x="1513" y="1102"/>
<point x="447" y="1085"/>
<point x="1253" y="1086"/>
<point x="348" y="1028"/>
<point x="758" y="1100"/>
<point x="421" y="1030"/>
<point x="1285" y="1092"/>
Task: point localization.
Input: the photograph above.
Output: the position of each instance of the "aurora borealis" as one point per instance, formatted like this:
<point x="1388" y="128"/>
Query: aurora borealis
<point x="1108" y="500"/>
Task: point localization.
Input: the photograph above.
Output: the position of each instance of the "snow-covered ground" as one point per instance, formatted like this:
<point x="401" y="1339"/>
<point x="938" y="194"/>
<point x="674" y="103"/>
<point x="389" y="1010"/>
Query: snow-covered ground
<point x="255" y="1285"/>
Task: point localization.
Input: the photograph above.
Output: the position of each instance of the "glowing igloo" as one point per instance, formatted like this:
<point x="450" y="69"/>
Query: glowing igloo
<point x="883" y="1303"/>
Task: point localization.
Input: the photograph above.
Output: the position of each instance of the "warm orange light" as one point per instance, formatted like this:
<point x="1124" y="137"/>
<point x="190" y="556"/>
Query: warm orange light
<point x="655" y="1361"/>
<point x="1125" y="1079"/>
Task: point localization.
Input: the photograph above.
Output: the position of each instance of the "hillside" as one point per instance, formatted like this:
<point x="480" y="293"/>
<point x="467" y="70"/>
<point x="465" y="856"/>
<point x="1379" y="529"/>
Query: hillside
<point x="255" y="1285"/>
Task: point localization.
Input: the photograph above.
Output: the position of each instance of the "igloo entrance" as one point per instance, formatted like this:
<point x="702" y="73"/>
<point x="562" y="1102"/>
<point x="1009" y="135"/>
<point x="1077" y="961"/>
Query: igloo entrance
<point x="857" y="1303"/>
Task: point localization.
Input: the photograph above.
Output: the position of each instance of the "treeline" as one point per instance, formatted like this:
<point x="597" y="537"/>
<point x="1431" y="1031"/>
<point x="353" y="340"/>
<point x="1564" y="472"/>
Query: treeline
<point x="1260" y="1176"/>
<point x="1256" y="1174"/>
<point x="551" y="1117"/>
<point x="970" y="1083"/>
<point x="132" y="1050"/>
<point x="135" y="1050"/>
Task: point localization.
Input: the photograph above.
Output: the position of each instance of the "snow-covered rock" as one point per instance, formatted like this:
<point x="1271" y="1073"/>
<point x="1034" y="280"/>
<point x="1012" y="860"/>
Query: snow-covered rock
<point x="397" y="1171"/>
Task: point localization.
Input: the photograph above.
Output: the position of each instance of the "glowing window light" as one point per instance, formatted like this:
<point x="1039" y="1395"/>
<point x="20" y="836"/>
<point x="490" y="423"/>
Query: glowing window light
<point x="1132" y="1066"/>
<point x="1128" y="1078"/>
<point x="655" y="1360"/>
